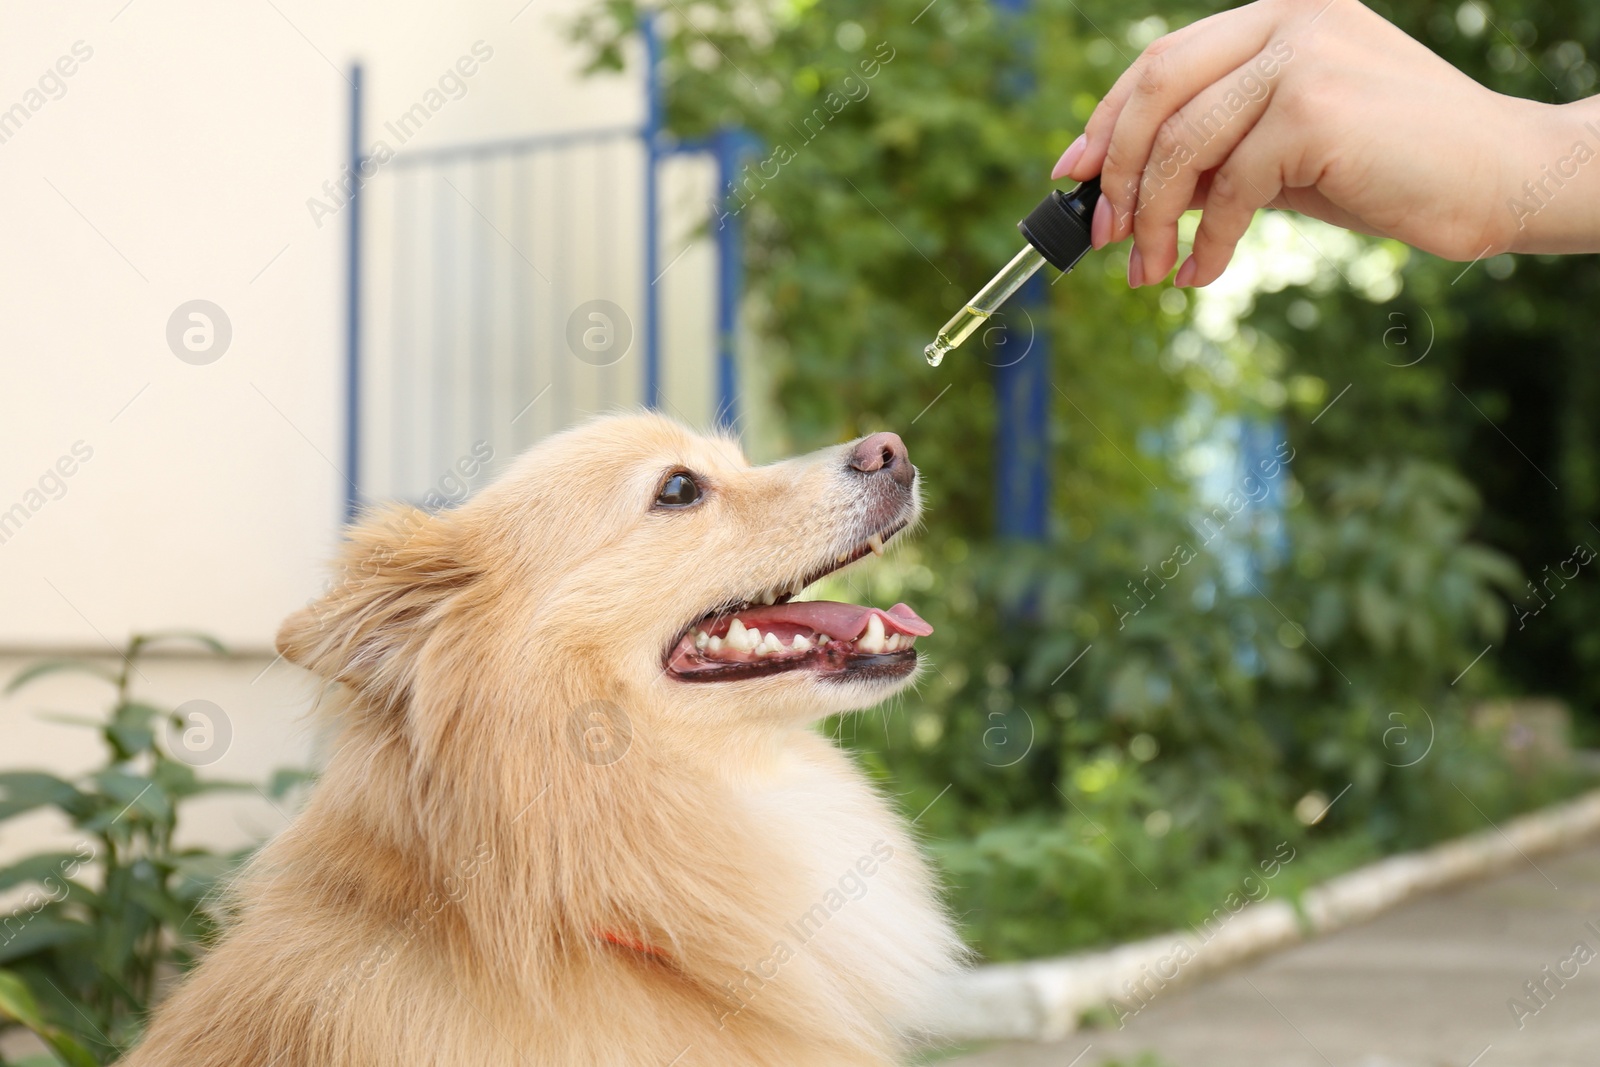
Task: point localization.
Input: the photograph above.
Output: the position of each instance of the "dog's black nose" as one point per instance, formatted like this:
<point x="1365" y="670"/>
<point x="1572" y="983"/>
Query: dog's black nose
<point x="886" y="453"/>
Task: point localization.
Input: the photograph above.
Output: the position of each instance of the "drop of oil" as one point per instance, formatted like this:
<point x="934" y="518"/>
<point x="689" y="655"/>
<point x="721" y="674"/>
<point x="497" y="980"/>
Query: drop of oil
<point x="935" y="353"/>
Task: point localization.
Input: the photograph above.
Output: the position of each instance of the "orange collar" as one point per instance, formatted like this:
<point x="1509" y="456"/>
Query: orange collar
<point x="644" y="948"/>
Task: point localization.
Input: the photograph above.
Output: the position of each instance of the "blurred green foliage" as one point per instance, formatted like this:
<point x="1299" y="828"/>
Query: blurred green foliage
<point x="1121" y="721"/>
<point x="96" y="927"/>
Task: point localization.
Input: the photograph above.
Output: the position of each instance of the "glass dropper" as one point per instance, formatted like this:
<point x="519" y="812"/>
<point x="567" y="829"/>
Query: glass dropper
<point x="1057" y="232"/>
<point x="965" y="322"/>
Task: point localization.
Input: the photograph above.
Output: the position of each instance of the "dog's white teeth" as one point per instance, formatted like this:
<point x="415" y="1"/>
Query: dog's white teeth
<point x="843" y="556"/>
<point x="800" y="643"/>
<point x="875" y="542"/>
<point x="754" y="642"/>
<point x="872" y="640"/>
<point x="822" y="639"/>
<point x="738" y="637"/>
<point x="701" y="640"/>
<point x="892" y="643"/>
<point x="768" y="598"/>
<point x="798" y="587"/>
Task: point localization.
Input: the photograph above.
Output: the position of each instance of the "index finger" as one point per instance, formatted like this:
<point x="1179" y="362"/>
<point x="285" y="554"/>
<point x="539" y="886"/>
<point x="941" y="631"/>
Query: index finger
<point x="1169" y="73"/>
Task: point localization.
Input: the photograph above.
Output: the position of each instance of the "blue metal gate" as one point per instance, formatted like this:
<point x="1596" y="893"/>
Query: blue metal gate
<point x="498" y="292"/>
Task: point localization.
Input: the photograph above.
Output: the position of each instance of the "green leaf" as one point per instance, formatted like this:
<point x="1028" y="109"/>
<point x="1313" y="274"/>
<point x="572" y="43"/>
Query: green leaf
<point x="134" y="713"/>
<point x="69" y="1050"/>
<point x="155" y="900"/>
<point x="59" y="666"/>
<point x="17" y="1003"/>
<point x="200" y="873"/>
<point x="22" y="791"/>
<point x="130" y="728"/>
<point x="286" y="778"/>
<point x="130" y="742"/>
<point x="41" y="932"/>
<point x="134" y="791"/>
<point x="180" y="780"/>
<point x="38" y="868"/>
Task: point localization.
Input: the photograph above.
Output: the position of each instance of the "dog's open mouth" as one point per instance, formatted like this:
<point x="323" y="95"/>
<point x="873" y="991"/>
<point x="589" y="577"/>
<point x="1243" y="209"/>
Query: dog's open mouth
<point x="773" y="633"/>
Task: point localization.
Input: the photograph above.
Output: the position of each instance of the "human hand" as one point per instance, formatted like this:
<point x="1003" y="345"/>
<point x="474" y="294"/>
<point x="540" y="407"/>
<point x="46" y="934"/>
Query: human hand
<point x="1320" y="106"/>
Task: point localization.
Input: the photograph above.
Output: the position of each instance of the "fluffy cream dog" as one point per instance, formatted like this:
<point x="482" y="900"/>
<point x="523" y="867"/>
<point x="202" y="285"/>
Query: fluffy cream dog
<point x="577" y="812"/>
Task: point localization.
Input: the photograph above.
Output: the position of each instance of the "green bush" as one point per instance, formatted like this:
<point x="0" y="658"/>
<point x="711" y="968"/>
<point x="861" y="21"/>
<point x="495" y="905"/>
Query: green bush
<point x="101" y="924"/>
<point x="1123" y="719"/>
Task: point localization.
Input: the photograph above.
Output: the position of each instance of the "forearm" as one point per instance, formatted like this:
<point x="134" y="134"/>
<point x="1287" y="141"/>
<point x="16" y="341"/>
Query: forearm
<point x="1552" y="199"/>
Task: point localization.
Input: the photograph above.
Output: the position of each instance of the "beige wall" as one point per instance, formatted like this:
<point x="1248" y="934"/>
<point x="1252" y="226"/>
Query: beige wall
<point x="177" y="165"/>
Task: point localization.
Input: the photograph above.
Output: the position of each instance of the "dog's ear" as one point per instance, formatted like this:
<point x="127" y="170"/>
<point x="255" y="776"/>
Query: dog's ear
<point x="398" y="571"/>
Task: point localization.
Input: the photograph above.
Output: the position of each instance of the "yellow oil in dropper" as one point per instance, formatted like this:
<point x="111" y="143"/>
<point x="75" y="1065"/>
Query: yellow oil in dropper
<point x="1057" y="232"/>
<point x="964" y="323"/>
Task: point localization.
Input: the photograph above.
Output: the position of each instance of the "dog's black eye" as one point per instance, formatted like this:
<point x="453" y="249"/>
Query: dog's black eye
<point x="679" y="491"/>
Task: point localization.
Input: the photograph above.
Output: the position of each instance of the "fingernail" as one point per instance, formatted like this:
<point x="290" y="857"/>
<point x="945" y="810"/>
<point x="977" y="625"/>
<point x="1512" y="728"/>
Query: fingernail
<point x="1186" y="273"/>
<point x="1070" y="157"/>
<point x="1135" y="269"/>
<point x="1100" y="228"/>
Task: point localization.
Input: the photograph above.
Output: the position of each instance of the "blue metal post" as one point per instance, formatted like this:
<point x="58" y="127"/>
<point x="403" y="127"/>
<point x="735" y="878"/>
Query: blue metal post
<point x="652" y="243"/>
<point x="1022" y="431"/>
<point x="352" y="339"/>
<point x="1022" y="390"/>
<point x="729" y="146"/>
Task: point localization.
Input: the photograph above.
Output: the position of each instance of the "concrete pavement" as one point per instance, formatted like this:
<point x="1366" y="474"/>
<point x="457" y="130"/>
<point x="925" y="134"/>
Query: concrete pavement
<point x="1427" y="985"/>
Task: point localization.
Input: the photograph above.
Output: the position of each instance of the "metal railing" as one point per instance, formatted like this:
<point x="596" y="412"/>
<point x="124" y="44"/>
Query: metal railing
<point x="501" y="290"/>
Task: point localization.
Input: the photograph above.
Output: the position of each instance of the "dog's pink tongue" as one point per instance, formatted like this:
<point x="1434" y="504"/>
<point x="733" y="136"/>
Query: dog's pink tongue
<point x="842" y="622"/>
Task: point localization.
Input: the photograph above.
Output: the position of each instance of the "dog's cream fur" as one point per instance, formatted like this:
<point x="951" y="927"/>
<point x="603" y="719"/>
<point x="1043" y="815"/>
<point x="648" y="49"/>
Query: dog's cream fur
<point x="531" y="844"/>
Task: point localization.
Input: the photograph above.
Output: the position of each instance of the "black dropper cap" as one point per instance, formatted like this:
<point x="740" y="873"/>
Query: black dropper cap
<point x="1059" y="226"/>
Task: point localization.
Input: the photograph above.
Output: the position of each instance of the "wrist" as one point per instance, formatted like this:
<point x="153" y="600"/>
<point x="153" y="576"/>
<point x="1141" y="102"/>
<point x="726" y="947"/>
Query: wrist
<point x="1551" y="178"/>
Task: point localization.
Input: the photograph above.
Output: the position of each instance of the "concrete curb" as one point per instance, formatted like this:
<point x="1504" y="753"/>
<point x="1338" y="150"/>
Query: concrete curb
<point x="1043" y="1000"/>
